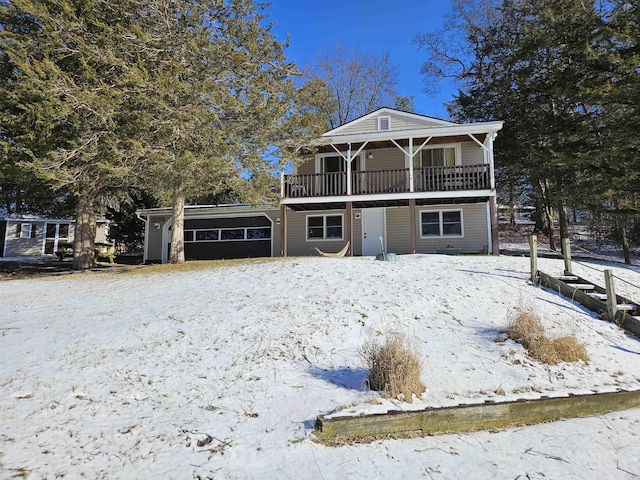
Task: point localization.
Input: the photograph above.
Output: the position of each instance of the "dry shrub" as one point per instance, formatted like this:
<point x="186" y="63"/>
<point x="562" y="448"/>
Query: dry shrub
<point x="526" y="329"/>
<point x="394" y="368"/>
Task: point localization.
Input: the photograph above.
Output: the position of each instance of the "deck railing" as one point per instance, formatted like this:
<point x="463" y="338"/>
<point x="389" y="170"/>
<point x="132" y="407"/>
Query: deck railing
<point x="425" y="179"/>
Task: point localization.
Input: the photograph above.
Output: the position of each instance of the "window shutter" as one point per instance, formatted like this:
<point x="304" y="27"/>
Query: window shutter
<point x="34" y="227"/>
<point x="18" y="230"/>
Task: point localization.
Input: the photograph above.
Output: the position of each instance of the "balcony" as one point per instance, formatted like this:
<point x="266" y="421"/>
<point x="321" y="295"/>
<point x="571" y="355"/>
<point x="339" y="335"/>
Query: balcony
<point x="427" y="179"/>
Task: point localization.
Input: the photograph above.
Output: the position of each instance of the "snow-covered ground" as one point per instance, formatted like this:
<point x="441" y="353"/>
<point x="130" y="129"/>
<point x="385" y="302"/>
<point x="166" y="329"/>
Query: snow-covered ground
<point x="220" y="373"/>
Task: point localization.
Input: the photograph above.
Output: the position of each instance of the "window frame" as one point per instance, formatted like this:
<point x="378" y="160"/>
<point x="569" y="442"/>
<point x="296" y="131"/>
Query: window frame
<point x="381" y="119"/>
<point x="21" y="228"/>
<point x="457" y="149"/>
<point x="324" y="228"/>
<point x="441" y="223"/>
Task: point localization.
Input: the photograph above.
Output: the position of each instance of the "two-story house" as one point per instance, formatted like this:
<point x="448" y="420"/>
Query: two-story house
<point x="391" y="180"/>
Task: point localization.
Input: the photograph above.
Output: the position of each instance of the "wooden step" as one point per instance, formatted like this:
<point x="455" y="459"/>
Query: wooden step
<point x="581" y="286"/>
<point x="569" y="278"/>
<point x="598" y="296"/>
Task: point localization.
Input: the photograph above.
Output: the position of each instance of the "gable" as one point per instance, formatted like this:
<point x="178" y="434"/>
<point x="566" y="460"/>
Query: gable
<point x="397" y="121"/>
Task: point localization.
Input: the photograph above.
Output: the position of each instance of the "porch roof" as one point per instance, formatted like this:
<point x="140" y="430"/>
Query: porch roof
<point x="383" y="139"/>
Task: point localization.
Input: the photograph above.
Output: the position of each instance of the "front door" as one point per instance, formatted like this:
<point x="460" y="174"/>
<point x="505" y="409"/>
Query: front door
<point x="373" y="235"/>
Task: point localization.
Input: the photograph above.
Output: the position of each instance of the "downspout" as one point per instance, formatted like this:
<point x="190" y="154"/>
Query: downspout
<point x="145" y="253"/>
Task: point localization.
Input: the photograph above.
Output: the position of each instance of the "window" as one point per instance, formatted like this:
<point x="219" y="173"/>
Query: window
<point x="324" y="227"/>
<point x="258" y="233"/>
<point x="335" y="164"/>
<point x="25" y="230"/>
<point x="438" y="157"/>
<point x="226" y="234"/>
<point x="384" y="123"/>
<point x="232" y="234"/>
<point x="207" y="235"/>
<point x="443" y="223"/>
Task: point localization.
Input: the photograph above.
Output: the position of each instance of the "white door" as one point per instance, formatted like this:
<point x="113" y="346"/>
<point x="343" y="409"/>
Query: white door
<point x="373" y="231"/>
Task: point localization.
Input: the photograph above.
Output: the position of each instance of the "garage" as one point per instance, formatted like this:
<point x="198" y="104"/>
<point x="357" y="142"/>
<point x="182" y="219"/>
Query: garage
<point x="227" y="237"/>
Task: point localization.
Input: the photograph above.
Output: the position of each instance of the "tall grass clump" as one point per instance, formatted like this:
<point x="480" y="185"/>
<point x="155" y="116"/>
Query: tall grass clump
<point x="525" y="327"/>
<point x="394" y="368"/>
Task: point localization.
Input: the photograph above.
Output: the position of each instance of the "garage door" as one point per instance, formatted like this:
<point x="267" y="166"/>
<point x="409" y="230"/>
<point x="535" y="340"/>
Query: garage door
<point x="218" y="238"/>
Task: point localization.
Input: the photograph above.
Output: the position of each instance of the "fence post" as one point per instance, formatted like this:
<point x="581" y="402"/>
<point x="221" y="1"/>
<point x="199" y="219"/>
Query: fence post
<point x="566" y="248"/>
<point x="533" y="254"/>
<point x="612" y="302"/>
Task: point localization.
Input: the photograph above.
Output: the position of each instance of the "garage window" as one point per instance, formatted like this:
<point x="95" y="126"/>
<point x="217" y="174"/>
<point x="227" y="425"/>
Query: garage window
<point x="227" y="234"/>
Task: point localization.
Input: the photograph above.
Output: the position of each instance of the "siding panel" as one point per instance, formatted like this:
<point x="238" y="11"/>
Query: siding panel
<point x="471" y="153"/>
<point x="475" y="240"/>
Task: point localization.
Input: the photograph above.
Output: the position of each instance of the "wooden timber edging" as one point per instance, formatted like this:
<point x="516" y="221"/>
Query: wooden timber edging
<point x="624" y="320"/>
<point x="469" y="418"/>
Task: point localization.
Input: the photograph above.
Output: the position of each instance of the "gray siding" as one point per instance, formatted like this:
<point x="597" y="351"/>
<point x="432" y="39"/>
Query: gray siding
<point x="398" y="236"/>
<point x="154" y="251"/>
<point x="297" y="244"/>
<point x="307" y="168"/>
<point x="18" y="247"/>
<point x="398" y="122"/>
<point x="385" y="159"/>
<point x="471" y="153"/>
<point x="474" y="222"/>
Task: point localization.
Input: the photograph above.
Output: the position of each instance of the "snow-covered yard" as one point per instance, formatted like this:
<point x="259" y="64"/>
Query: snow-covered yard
<point x="221" y="372"/>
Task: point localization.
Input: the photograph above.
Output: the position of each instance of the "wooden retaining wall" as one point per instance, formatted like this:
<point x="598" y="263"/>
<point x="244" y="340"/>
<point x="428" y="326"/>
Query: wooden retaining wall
<point x="467" y="418"/>
<point x="626" y="321"/>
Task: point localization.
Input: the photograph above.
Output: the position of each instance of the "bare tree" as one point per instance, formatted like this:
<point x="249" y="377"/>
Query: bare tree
<point x="358" y="82"/>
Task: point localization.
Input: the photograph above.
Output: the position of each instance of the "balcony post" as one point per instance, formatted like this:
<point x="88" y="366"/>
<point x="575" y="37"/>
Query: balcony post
<point x="492" y="180"/>
<point x="349" y="227"/>
<point x="282" y="184"/>
<point x="349" y="159"/>
<point x="411" y="186"/>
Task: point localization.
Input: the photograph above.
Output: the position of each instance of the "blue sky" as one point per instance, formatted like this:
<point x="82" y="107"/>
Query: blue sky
<point x="373" y="25"/>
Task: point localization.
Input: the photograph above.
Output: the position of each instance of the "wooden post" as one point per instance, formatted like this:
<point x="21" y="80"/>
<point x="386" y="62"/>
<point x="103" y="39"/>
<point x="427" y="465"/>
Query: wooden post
<point x="566" y="248"/>
<point x="612" y="301"/>
<point x="412" y="225"/>
<point x="533" y="254"/>
<point x="349" y="231"/>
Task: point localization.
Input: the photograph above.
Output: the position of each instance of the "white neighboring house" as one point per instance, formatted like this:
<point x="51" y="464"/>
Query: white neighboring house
<point x="34" y="236"/>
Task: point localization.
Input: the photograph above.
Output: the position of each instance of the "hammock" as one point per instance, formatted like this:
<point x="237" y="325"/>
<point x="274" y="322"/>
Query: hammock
<point x="339" y="254"/>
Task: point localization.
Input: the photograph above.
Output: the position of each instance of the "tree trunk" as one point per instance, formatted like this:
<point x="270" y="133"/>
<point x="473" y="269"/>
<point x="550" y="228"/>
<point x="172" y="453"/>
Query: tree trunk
<point x="84" y="235"/>
<point x="176" y="255"/>
<point x="621" y="229"/>
<point x="549" y="230"/>
<point x="563" y="219"/>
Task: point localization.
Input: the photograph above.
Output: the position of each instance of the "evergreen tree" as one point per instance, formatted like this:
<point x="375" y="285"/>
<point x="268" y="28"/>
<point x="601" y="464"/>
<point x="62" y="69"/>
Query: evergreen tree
<point x="67" y="106"/>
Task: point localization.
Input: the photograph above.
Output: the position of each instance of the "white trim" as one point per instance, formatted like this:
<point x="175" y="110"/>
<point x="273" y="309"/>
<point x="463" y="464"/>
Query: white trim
<point x="324" y="227"/>
<point x="441" y="223"/>
<point x="457" y="146"/>
<point x="444" y="131"/>
<point x="164" y="255"/>
<point x="386" y="110"/>
<point x="389" y="196"/>
<point x="22" y="230"/>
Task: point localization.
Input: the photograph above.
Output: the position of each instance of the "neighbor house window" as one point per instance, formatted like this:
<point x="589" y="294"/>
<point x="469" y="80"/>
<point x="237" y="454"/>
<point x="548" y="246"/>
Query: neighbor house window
<point x="384" y="123"/>
<point x="438" y="157"/>
<point x="324" y="227"/>
<point x="442" y="223"/>
<point x="25" y="230"/>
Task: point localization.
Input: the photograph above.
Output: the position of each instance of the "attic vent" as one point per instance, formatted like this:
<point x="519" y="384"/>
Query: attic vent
<point x="384" y="123"/>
